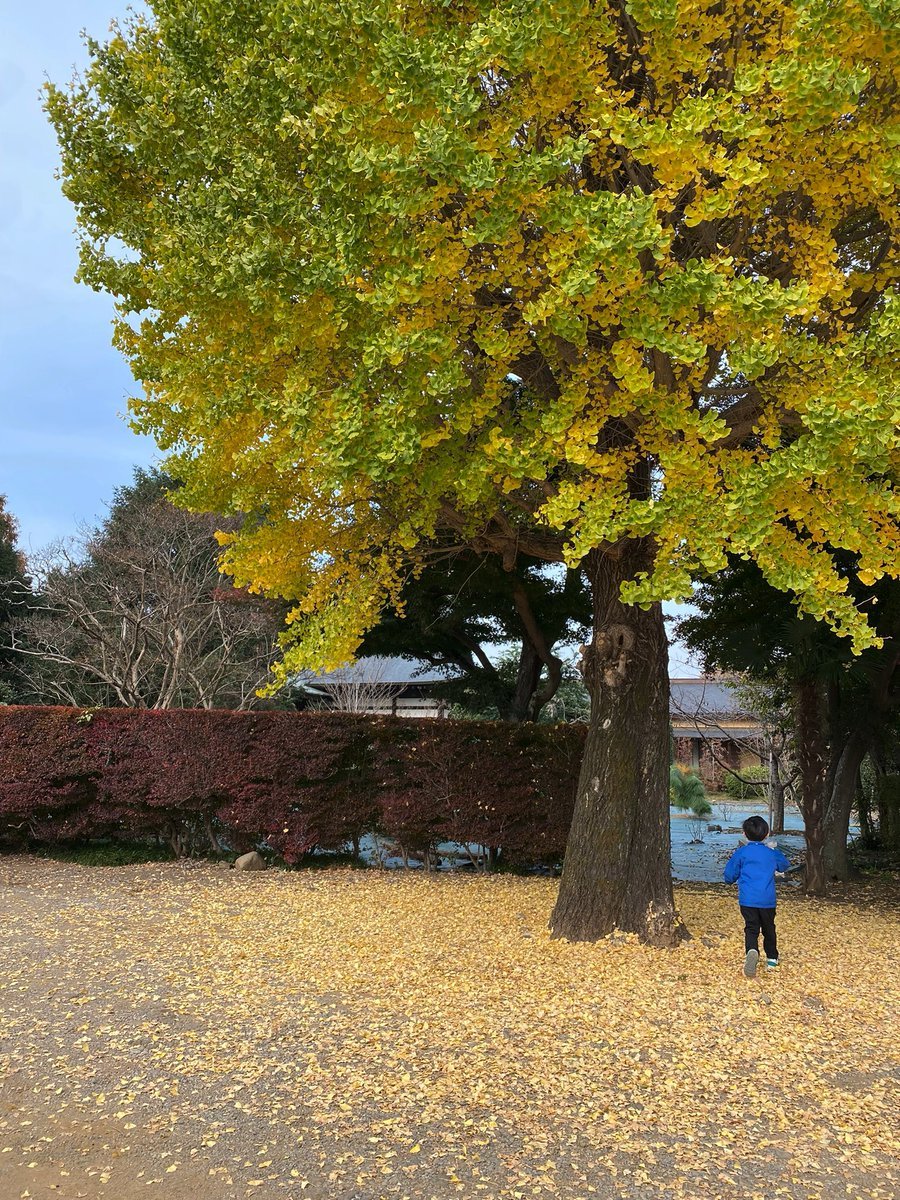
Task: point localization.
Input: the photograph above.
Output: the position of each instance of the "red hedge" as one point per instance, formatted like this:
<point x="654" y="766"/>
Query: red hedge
<point x="297" y="781"/>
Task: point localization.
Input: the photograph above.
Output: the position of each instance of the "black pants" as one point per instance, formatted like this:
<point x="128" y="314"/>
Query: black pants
<point x="754" y="920"/>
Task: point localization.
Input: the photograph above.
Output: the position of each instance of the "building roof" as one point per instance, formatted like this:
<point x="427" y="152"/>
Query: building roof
<point x="707" y="696"/>
<point x="707" y="703"/>
<point x="380" y="669"/>
<point x="709" y="707"/>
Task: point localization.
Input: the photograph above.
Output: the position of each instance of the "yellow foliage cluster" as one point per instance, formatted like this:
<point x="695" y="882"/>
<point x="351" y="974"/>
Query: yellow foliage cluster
<point x="606" y="271"/>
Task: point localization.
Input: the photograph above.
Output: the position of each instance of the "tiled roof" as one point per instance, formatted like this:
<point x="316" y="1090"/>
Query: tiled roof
<point x="383" y="670"/>
<point x="708" y="697"/>
<point x="705" y="697"/>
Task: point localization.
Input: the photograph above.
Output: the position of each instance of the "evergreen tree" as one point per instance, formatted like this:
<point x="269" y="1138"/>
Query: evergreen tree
<point x="463" y="603"/>
<point x="843" y="704"/>
<point x="14" y="592"/>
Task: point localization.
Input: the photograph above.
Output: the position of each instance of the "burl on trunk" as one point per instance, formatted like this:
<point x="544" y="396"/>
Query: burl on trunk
<point x="617" y="872"/>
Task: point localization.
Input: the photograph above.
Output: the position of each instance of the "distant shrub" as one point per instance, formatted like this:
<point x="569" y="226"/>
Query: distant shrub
<point x="688" y="794"/>
<point x="757" y="778"/>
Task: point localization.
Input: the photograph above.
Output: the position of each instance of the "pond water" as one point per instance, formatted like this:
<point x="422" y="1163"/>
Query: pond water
<point x="704" y="862"/>
<point x="698" y="862"/>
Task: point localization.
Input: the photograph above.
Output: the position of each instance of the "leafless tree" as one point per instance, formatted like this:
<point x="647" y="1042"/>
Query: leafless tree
<point x="138" y="613"/>
<point x="770" y="705"/>
<point x="361" y="688"/>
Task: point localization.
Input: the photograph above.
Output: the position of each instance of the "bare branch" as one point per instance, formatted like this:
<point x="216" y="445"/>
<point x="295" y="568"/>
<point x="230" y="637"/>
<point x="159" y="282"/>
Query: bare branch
<point x="138" y="613"/>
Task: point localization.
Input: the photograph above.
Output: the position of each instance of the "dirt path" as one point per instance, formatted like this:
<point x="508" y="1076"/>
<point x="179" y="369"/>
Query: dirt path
<point x="204" y="1035"/>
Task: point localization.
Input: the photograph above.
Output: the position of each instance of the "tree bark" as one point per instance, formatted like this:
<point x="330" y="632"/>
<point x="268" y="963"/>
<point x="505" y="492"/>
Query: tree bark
<point x="211" y="835"/>
<point x="776" y="793"/>
<point x="840" y="806"/>
<point x="863" y="807"/>
<point x="889" y="811"/>
<point x="528" y="678"/>
<point x="617" y="872"/>
<point x="535" y="640"/>
<point x="812" y="759"/>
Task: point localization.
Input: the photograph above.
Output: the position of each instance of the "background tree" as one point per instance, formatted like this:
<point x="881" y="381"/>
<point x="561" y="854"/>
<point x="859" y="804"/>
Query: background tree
<point x="463" y="604"/>
<point x="570" y="700"/>
<point x="769" y="701"/>
<point x="841" y="705"/>
<point x="688" y="794"/>
<point x="590" y="282"/>
<point x="360" y="688"/>
<point x="878" y="791"/>
<point x="137" y="612"/>
<point x="13" y="593"/>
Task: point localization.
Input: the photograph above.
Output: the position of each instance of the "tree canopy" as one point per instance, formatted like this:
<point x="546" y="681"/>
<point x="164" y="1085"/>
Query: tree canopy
<point x="552" y="275"/>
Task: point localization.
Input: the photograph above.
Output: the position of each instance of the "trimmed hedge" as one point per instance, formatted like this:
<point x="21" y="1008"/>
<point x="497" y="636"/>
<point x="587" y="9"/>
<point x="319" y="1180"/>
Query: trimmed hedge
<point x="294" y="781"/>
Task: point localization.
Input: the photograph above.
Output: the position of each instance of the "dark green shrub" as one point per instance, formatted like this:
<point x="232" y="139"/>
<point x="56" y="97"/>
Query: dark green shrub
<point x="687" y="791"/>
<point x="108" y="854"/>
<point x="757" y="782"/>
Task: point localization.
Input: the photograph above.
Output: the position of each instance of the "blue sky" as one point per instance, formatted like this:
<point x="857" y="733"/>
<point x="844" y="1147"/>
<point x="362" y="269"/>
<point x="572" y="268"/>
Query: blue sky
<point x="63" y="443"/>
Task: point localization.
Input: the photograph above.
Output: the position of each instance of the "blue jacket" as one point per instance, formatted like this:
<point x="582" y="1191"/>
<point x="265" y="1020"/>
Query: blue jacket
<point x="753" y="867"/>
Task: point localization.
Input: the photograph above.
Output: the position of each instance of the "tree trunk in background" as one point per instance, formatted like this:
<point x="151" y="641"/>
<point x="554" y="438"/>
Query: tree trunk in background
<point x="776" y="794"/>
<point x="812" y="758"/>
<point x="863" y="807"/>
<point x="889" y="811"/>
<point x="617" y="872"/>
<point x="528" y="677"/>
<point x="840" y="806"/>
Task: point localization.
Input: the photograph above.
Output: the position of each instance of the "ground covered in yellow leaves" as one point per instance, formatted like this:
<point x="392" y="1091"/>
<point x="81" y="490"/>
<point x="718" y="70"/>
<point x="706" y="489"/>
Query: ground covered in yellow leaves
<point x="211" y="1035"/>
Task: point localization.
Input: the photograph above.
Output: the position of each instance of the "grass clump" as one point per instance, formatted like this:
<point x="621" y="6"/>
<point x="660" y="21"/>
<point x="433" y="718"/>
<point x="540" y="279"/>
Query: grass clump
<point x="108" y="854"/>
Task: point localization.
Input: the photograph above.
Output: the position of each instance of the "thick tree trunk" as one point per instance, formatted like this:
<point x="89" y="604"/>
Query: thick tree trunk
<point x="812" y="759"/>
<point x="840" y="806"/>
<point x="617" y="872"/>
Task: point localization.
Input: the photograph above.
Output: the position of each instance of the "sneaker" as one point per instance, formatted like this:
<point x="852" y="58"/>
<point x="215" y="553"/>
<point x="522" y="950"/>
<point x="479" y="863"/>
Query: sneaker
<point x="750" y="963"/>
<point x="771" y="963"/>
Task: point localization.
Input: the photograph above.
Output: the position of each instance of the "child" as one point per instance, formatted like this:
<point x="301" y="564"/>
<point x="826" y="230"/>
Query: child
<point x="753" y="867"/>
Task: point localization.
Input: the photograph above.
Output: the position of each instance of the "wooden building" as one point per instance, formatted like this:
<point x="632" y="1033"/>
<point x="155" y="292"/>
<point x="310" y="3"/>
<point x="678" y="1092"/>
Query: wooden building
<point x="710" y="732"/>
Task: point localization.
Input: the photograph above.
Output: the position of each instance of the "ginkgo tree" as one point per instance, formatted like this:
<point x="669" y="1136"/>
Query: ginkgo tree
<point x="598" y="282"/>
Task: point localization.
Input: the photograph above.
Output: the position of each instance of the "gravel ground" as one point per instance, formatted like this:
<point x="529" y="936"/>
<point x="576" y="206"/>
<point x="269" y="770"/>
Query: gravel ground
<point x="207" y="1035"/>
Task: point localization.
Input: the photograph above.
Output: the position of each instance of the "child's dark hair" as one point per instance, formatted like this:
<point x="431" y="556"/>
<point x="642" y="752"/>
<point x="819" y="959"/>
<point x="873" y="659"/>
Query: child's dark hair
<point x="755" y="829"/>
